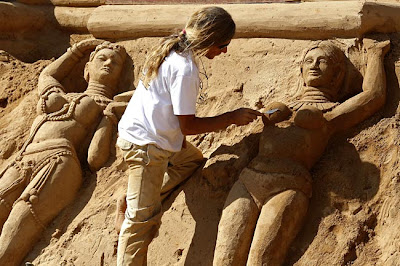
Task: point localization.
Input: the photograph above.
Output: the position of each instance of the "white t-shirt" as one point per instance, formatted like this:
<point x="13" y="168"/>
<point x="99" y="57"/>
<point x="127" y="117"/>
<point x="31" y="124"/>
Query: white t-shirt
<point x="150" y="117"/>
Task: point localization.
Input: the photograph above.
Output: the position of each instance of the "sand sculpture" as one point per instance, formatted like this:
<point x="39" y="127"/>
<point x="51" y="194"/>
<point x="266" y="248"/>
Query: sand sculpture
<point x="46" y="173"/>
<point x="266" y="206"/>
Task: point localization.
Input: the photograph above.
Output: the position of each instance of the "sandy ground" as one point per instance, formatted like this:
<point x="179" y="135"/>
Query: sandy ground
<point x="353" y="218"/>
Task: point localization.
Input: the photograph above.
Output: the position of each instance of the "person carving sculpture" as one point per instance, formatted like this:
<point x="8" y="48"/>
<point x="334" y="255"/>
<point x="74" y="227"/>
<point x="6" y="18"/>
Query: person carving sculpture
<point x="266" y="207"/>
<point x="46" y="173"/>
<point x="161" y="112"/>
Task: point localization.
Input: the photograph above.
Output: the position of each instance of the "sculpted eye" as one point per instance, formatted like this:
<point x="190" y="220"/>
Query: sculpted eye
<point x="324" y="61"/>
<point x="308" y="61"/>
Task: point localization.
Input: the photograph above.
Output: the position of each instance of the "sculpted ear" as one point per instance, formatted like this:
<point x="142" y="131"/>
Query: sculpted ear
<point x="86" y="72"/>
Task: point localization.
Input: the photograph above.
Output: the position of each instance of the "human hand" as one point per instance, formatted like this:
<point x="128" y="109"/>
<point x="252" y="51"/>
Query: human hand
<point x="244" y="116"/>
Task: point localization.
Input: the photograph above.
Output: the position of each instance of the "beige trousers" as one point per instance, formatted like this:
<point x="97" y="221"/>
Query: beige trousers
<point x="153" y="173"/>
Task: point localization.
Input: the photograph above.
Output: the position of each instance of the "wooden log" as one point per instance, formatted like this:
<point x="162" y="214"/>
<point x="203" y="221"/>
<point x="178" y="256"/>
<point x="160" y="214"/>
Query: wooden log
<point x="18" y="18"/>
<point x="72" y="3"/>
<point x="303" y="20"/>
<point x="78" y="3"/>
<point x="203" y="2"/>
<point x="34" y="2"/>
<point x="307" y="20"/>
<point x="380" y="17"/>
<point x="74" y="19"/>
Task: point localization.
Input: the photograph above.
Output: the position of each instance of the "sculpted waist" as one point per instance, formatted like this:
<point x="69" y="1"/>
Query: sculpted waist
<point x="279" y="166"/>
<point x="49" y="144"/>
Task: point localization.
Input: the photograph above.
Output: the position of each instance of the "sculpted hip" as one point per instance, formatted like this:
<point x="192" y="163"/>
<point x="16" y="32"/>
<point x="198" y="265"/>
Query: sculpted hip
<point x="263" y="186"/>
<point x="36" y="164"/>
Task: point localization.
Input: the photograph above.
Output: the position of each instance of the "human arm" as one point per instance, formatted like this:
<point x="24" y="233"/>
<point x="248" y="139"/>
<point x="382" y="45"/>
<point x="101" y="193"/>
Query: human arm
<point x="60" y="68"/>
<point x="192" y="125"/>
<point x="373" y="96"/>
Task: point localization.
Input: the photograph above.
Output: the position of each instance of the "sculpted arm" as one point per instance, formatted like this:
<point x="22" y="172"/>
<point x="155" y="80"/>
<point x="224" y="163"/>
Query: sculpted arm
<point x="100" y="146"/>
<point x="373" y="96"/>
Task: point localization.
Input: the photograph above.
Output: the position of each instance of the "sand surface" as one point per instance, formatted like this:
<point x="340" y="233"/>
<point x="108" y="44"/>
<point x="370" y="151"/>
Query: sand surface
<point x="353" y="218"/>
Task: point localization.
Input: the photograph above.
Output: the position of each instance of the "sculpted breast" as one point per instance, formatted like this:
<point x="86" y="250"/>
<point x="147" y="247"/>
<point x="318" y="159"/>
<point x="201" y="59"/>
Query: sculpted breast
<point x="309" y="117"/>
<point x="277" y="112"/>
<point x="51" y="103"/>
<point x="87" y="111"/>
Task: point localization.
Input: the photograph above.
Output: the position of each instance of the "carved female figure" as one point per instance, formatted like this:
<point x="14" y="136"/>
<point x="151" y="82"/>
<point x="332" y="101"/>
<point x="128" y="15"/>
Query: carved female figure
<point x="265" y="208"/>
<point x="46" y="174"/>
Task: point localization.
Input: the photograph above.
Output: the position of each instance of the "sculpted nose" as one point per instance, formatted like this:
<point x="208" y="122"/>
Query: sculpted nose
<point x="315" y="64"/>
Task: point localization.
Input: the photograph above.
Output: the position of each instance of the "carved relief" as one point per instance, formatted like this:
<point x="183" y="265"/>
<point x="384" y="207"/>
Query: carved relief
<point x="70" y="128"/>
<point x="265" y="208"/>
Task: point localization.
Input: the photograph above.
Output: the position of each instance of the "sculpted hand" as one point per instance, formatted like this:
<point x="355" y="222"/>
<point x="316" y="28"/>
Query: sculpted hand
<point x="79" y="49"/>
<point x="244" y="116"/>
<point x="375" y="46"/>
<point x="115" y="110"/>
<point x="123" y="97"/>
<point x="88" y="44"/>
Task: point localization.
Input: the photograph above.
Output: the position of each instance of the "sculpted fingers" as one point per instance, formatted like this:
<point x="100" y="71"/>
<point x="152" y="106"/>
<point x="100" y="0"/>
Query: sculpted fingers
<point x="88" y="44"/>
<point x="385" y="46"/>
<point x="372" y="45"/>
<point x="123" y="97"/>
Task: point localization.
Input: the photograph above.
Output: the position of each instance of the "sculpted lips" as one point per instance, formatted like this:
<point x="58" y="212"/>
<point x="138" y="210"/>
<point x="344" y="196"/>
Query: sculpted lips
<point x="314" y="73"/>
<point x="107" y="69"/>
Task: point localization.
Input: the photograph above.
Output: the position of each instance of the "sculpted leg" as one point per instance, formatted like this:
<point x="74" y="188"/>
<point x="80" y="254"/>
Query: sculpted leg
<point x="280" y="220"/>
<point x="236" y="227"/>
<point x="12" y="184"/>
<point x="19" y="232"/>
<point x="46" y="195"/>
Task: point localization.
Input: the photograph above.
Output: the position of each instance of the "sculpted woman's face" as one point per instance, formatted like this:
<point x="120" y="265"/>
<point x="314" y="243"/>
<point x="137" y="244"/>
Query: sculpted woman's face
<point x="106" y="67"/>
<point x="318" y="70"/>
